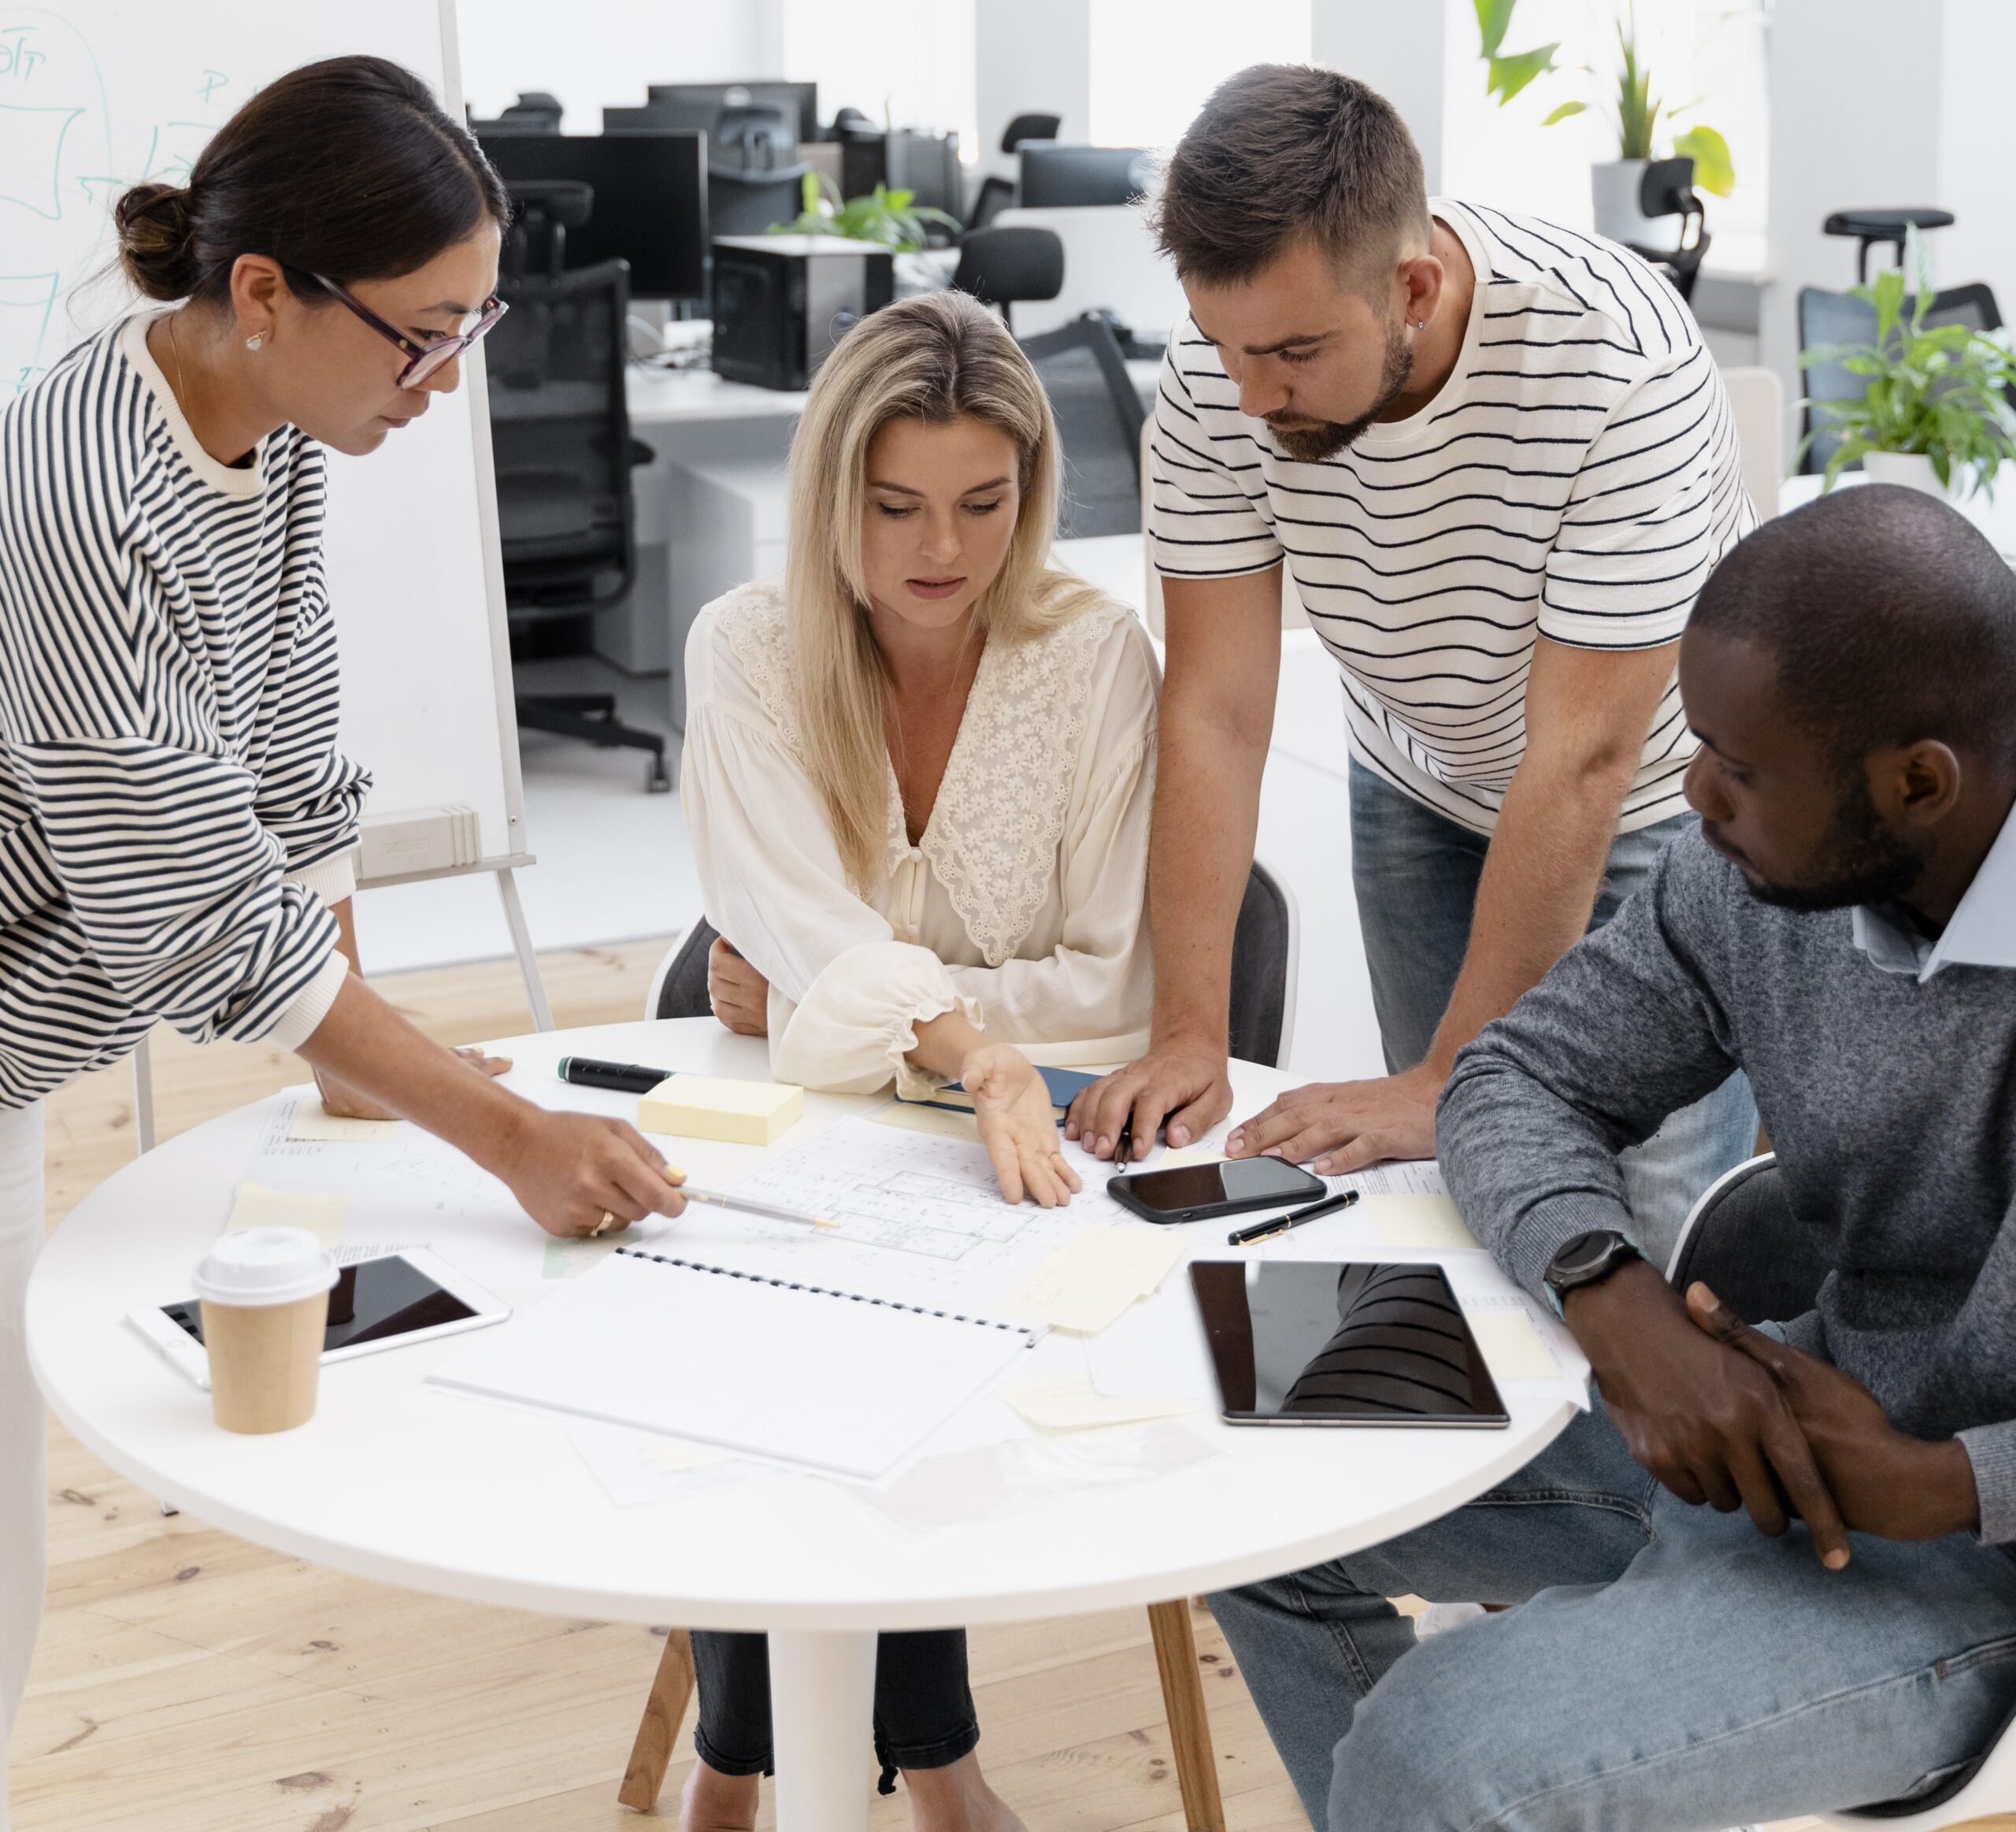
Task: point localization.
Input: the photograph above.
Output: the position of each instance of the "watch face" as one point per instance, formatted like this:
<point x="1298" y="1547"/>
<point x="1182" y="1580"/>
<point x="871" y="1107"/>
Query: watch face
<point x="1583" y="1254"/>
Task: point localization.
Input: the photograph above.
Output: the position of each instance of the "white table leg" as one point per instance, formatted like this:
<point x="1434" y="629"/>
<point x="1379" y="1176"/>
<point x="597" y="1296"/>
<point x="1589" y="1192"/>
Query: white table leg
<point x="822" y="1703"/>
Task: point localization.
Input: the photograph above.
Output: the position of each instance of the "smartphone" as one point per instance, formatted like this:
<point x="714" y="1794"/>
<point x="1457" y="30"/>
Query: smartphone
<point x="1198" y="1192"/>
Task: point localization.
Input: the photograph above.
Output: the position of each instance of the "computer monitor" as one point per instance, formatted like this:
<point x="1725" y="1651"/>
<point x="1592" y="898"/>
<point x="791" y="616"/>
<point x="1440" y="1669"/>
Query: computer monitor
<point x="651" y="207"/>
<point x="799" y="100"/>
<point x="1057" y="176"/>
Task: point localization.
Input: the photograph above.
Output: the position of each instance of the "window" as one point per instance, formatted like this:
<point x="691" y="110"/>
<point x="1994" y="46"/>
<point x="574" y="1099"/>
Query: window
<point x="1154" y="61"/>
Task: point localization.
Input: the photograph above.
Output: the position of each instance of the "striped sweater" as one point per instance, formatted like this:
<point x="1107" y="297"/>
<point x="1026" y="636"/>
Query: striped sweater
<point x="1575" y="478"/>
<point x="175" y="815"/>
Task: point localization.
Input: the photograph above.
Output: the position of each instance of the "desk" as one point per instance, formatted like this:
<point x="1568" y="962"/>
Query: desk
<point x="410" y="1485"/>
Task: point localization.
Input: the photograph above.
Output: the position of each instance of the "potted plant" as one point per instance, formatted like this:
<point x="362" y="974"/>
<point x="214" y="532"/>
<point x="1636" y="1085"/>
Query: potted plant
<point x="1936" y="414"/>
<point x="892" y="219"/>
<point x="1615" y="184"/>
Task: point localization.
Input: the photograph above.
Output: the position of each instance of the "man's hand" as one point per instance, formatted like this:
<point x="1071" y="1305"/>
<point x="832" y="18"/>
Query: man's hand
<point x="341" y="1101"/>
<point x="579" y="1174"/>
<point x="1705" y="1419"/>
<point x="1183" y="1083"/>
<point x="1887" y="1482"/>
<point x="739" y="995"/>
<point x="1345" y="1126"/>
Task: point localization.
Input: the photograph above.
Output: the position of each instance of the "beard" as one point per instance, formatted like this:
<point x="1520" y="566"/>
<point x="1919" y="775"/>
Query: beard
<point x="1311" y="444"/>
<point x="1859" y="862"/>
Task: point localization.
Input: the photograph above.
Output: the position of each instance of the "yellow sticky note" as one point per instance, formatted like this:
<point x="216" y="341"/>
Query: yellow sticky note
<point x="711" y="1107"/>
<point x="1182" y="1157"/>
<point x="911" y="1116"/>
<point x="1512" y="1348"/>
<point x="257" y="1206"/>
<point x="1088" y="1281"/>
<point x="1429" y="1222"/>
<point x="1072" y="1404"/>
<point x="314" y="1125"/>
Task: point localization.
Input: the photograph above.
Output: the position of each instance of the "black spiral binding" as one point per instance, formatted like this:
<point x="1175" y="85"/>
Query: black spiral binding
<point x="823" y="1291"/>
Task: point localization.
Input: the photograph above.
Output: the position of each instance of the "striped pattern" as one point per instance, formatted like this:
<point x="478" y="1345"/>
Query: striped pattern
<point x="168" y="724"/>
<point x="1576" y="478"/>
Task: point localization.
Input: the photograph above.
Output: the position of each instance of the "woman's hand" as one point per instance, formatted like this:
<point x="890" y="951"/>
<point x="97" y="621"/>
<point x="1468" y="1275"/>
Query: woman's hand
<point x="739" y="995"/>
<point x="577" y="1173"/>
<point x="340" y="1102"/>
<point x="1018" y="1126"/>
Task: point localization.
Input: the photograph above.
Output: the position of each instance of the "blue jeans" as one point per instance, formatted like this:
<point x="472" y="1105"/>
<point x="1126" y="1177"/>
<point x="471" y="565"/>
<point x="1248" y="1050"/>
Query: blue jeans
<point x="1415" y="873"/>
<point x="1668" y="1669"/>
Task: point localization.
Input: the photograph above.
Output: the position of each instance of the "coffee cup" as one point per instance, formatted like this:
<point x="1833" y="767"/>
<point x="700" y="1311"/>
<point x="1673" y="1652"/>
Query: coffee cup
<point x="265" y="1300"/>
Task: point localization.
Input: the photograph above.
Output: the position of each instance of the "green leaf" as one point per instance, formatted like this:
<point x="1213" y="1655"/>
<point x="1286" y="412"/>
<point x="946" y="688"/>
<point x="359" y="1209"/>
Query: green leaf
<point x="1506" y="76"/>
<point x="1713" y="170"/>
<point x="1493" y="17"/>
<point x="1562" y="112"/>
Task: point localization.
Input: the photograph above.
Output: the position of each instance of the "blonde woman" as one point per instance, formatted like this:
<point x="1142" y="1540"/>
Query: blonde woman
<point x="917" y="777"/>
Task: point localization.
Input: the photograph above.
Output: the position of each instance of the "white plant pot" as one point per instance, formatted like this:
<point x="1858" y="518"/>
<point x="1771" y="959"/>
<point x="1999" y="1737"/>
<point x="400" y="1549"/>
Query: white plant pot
<point x="1614" y="188"/>
<point x="1913" y="469"/>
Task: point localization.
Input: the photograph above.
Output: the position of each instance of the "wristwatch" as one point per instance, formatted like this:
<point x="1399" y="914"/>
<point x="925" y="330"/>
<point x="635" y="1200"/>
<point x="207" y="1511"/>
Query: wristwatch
<point x="1587" y="1259"/>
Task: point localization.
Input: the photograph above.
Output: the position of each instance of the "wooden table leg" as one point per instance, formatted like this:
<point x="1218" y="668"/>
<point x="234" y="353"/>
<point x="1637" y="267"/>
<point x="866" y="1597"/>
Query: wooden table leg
<point x="663" y="1712"/>
<point x="1189" y="1728"/>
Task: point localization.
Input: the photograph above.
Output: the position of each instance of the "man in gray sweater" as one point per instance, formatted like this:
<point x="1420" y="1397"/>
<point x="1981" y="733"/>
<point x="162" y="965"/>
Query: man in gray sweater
<point x="1837" y="1624"/>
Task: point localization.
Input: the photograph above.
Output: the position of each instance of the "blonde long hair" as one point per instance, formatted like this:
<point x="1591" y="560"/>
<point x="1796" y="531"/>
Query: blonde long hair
<point x="934" y="358"/>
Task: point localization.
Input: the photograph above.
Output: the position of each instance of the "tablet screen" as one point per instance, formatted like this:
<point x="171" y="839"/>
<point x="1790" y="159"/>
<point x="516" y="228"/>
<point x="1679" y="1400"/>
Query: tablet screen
<point x="1314" y="1342"/>
<point x="372" y="1302"/>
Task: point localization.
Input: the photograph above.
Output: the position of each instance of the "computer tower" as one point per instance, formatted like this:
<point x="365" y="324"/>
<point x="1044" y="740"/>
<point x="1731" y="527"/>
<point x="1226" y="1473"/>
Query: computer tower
<point x="781" y="302"/>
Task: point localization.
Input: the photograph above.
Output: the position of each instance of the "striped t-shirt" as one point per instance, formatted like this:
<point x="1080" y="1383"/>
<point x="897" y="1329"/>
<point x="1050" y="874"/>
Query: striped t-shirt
<point x="173" y="808"/>
<point x="1575" y="478"/>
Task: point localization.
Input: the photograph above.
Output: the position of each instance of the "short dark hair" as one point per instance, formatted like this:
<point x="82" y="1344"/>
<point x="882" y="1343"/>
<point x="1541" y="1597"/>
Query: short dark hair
<point x="348" y="168"/>
<point x="1890" y="617"/>
<point x="1282" y="153"/>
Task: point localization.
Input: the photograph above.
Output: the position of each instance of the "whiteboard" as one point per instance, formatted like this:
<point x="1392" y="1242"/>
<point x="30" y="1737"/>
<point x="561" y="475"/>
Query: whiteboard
<point x="96" y="95"/>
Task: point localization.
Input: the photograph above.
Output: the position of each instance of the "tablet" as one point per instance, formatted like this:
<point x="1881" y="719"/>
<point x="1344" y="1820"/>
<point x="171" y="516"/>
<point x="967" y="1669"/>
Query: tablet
<point x="1317" y="1342"/>
<point x="387" y="1302"/>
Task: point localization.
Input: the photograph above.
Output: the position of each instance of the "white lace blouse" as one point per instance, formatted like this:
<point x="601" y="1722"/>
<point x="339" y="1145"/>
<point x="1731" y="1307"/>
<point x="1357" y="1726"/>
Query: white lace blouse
<point x="1022" y="905"/>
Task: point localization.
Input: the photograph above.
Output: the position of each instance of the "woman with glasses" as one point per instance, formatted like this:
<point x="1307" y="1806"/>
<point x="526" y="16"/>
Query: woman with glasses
<point x="176" y="823"/>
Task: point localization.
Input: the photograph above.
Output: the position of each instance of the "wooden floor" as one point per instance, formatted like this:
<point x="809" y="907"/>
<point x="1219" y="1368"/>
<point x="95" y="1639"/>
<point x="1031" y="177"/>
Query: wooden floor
<point x="188" y="1682"/>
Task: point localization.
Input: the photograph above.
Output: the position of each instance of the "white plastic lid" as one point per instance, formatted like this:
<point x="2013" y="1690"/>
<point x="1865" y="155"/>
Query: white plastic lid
<point x="264" y="1265"/>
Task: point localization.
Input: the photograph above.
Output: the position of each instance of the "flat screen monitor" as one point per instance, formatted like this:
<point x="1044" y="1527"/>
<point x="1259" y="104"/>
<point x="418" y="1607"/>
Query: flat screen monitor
<point x="1057" y="176"/>
<point x="799" y="100"/>
<point x="651" y="207"/>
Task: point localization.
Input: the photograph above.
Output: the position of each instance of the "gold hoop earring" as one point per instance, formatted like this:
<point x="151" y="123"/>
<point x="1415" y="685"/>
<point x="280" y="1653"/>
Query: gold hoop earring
<point x="256" y="339"/>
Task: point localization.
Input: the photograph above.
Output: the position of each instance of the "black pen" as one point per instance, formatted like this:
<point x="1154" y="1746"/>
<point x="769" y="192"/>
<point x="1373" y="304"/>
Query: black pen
<point x="1294" y="1218"/>
<point x="624" y="1078"/>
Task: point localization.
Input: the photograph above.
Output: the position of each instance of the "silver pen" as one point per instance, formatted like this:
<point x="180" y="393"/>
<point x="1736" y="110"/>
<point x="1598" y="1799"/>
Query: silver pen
<point x="770" y="1211"/>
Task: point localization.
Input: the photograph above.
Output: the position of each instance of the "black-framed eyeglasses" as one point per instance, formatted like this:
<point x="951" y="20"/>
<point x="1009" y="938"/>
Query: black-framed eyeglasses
<point x="423" y="360"/>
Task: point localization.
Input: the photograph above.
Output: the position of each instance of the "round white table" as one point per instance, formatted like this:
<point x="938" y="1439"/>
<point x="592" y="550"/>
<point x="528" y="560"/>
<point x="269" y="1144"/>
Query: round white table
<point x="406" y="1484"/>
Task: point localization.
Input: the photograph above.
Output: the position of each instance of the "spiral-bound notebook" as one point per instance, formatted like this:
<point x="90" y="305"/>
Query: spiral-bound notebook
<point x="844" y="1380"/>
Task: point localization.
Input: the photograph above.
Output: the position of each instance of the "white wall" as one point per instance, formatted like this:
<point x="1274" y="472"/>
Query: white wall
<point x="604" y="54"/>
<point x="1401" y="51"/>
<point x="1032" y="57"/>
<point x="1978" y="51"/>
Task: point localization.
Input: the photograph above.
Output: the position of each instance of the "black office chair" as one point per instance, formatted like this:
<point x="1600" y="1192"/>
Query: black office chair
<point x="1029" y="127"/>
<point x="560" y="433"/>
<point x="534" y="112"/>
<point x="1876" y="229"/>
<point x="754" y="202"/>
<point x="1098" y="423"/>
<point x="1263" y="972"/>
<point x="1830" y="318"/>
<point x="758" y="138"/>
<point x="1743" y="1241"/>
<point x="1667" y="189"/>
<point x="999" y="266"/>
<point x="997" y="194"/>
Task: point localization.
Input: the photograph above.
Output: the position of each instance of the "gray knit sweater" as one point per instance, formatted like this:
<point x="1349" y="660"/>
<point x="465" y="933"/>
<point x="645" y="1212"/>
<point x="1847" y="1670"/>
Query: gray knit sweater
<point x="1892" y="1105"/>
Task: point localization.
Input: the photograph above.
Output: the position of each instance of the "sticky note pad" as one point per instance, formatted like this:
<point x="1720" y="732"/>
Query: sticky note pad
<point x="257" y="1206"/>
<point x="1095" y="1276"/>
<point x="313" y="1124"/>
<point x="1427" y="1222"/>
<point x="710" y="1107"/>
<point x="1072" y="1403"/>
<point x="1512" y="1348"/>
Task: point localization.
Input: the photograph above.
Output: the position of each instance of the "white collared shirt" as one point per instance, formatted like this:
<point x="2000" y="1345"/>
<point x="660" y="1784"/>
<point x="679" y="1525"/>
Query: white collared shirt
<point x="1981" y="934"/>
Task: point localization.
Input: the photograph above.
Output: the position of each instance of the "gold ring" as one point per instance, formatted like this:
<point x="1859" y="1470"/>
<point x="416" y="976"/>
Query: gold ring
<point x="603" y="1226"/>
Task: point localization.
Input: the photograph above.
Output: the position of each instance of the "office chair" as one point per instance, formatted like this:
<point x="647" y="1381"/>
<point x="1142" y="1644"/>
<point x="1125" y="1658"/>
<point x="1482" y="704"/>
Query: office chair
<point x="534" y="112"/>
<point x="753" y="203"/>
<point x="999" y="266"/>
<point x="1831" y="317"/>
<point x="1871" y="228"/>
<point x="1263" y="988"/>
<point x="753" y="138"/>
<point x="1667" y="189"/>
<point x="560" y="432"/>
<point x="997" y="194"/>
<point x="1098" y="423"/>
<point x="1029" y="127"/>
<point x="1743" y="1241"/>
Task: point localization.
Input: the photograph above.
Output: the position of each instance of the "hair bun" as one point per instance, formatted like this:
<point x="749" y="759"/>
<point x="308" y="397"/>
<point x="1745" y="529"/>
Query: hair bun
<point x="157" y="239"/>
